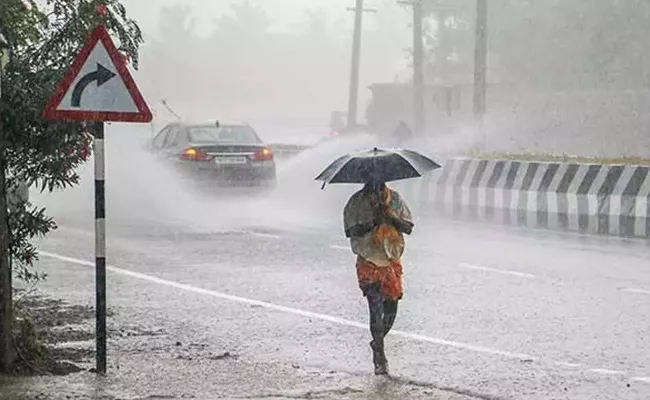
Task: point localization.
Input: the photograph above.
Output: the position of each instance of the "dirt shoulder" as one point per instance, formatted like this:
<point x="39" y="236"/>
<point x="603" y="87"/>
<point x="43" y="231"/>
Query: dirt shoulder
<point x="57" y="358"/>
<point x="51" y="337"/>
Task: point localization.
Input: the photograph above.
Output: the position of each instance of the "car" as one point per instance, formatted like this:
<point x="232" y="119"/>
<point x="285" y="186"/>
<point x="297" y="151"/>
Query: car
<point x="216" y="153"/>
<point x="337" y="122"/>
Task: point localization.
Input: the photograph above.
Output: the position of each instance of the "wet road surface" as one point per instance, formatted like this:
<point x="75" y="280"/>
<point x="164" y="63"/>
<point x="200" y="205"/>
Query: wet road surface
<point x="488" y="312"/>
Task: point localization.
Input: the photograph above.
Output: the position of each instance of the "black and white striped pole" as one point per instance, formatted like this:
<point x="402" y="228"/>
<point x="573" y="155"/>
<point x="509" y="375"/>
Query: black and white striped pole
<point x="100" y="245"/>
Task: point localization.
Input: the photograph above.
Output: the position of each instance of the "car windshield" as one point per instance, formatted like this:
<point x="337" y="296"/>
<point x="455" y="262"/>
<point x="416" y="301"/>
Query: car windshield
<point x="223" y="134"/>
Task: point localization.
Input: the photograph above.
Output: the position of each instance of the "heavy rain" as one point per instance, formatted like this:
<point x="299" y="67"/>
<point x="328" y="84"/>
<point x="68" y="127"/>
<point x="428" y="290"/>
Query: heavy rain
<point x="324" y="199"/>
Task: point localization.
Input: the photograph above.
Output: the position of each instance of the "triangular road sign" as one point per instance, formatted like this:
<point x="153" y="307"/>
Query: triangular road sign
<point x="98" y="86"/>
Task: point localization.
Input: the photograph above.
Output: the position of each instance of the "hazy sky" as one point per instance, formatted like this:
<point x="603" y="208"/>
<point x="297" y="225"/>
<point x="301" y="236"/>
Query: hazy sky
<point x="282" y="12"/>
<point x="382" y="59"/>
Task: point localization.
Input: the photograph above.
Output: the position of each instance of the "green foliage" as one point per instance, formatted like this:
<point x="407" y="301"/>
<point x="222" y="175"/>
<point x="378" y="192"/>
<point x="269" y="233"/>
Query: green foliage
<point x="246" y="21"/>
<point x="550" y="44"/>
<point x="27" y="223"/>
<point x="449" y="41"/>
<point x="578" y="44"/>
<point x="43" y="42"/>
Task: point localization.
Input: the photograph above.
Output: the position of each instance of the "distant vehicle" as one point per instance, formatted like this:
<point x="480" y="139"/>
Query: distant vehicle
<point x="337" y="122"/>
<point x="339" y="128"/>
<point x="216" y="153"/>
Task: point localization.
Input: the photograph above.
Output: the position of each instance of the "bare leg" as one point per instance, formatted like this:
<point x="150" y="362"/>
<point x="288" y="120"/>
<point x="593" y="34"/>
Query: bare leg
<point x="376" y="308"/>
<point x="390" y="313"/>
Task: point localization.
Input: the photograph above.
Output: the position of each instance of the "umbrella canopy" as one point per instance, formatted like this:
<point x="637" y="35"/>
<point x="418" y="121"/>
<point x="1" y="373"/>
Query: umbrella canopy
<point x="377" y="165"/>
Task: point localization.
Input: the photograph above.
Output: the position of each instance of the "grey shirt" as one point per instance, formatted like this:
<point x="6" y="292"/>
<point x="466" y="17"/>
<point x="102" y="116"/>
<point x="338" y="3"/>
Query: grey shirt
<point x="359" y="210"/>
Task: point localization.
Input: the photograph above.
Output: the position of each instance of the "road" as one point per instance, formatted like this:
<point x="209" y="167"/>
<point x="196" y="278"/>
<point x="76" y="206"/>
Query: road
<point x="488" y="312"/>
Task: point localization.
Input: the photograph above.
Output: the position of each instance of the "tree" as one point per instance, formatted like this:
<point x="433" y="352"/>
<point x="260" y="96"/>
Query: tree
<point x="450" y="43"/>
<point x="167" y="53"/>
<point x="320" y="27"/>
<point x="448" y="39"/>
<point x="247" y="21"/>
<point x="176" y="26"/>
<point x="581" y="44"/>
<point x="387" y="37"/>
<point x="46" y="154"/>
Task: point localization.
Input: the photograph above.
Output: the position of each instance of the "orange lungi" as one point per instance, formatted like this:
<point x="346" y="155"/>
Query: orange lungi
<point x="390" y="278"/>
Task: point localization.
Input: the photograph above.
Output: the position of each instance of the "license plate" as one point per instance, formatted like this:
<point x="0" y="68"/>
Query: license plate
<point x="230" y="160"/>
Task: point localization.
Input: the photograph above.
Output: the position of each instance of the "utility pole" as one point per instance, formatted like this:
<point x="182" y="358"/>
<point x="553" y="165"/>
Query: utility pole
<point x="418" y="65"/>
<point x="446" y="47"/>
<point x="480" y="67"/>
<point x="353" y="100"/>
<point x="418" y="68"/>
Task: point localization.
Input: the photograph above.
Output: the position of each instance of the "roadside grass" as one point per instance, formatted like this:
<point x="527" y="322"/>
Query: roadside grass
<point x="564" y="159"/>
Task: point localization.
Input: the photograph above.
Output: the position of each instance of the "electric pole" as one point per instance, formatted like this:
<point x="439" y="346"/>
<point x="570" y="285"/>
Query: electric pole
<point x="480" y="67"/>
<point x="418" y="68"/>
<point x="353" y="100"/>
<point x="418" y="65"/>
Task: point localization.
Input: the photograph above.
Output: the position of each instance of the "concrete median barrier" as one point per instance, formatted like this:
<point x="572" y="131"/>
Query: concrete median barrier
<point x="591" y="198"/>
<point x="287" y="150"/>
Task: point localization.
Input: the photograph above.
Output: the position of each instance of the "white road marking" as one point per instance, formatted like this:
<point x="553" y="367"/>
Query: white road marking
<point x="570" y="365"/>
<point x="498" y="271"/>
<point x="325" y="317"/>
<point x="640" y="291"/>
<point x="271" y="306"/>
<point x="340" y="247"/>
<point x="605" y="371"/>
<point x="264" y="235"/>
<point x="75" y="344"/>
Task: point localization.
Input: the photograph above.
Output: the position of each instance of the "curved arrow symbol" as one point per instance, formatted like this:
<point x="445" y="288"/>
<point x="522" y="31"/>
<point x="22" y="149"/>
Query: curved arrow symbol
<point x="101" y="75"/>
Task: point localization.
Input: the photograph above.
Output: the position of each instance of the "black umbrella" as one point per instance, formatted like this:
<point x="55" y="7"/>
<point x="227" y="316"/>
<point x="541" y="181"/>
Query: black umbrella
<point x="377" y="165"/>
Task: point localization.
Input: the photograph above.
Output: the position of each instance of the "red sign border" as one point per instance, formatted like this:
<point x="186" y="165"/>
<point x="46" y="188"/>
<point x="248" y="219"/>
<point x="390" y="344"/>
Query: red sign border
<point x="99" y="34"/>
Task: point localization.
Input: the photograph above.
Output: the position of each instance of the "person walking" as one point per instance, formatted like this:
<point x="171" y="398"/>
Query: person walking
<point x="402" y="133"/>
<point x="375" y="220"/>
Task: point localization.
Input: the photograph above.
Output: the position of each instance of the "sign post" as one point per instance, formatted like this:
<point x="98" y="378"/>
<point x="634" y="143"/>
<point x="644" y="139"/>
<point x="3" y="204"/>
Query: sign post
<point x="98" y="88"/>
<point x="100" y="246"/>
